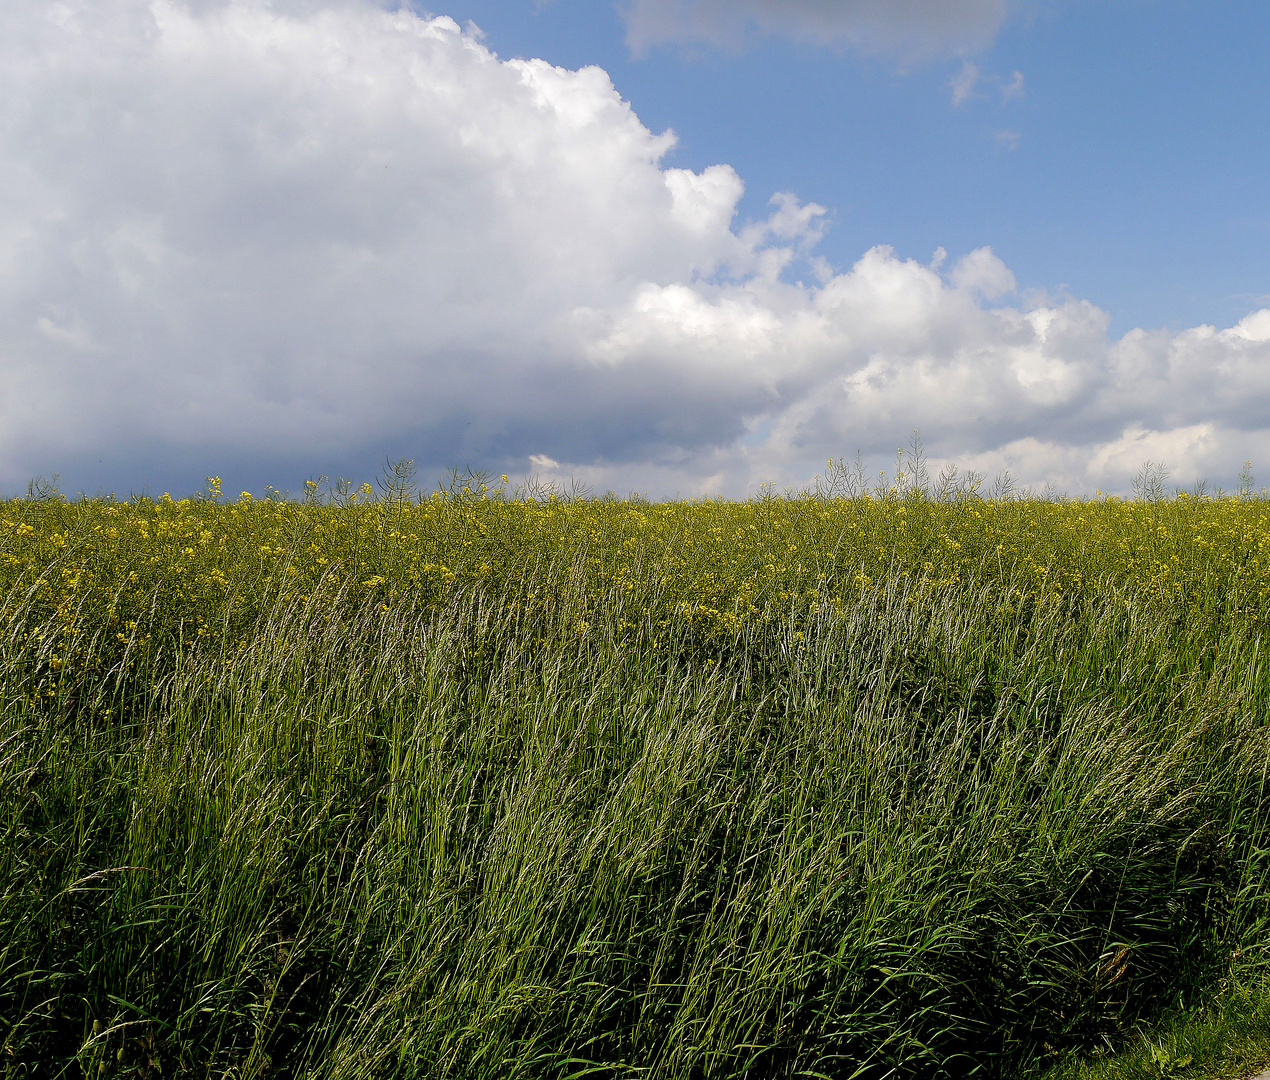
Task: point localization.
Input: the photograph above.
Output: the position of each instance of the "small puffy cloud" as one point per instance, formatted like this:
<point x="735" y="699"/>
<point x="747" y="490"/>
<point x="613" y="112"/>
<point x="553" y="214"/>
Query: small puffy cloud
<point x="962" y="84"/>
<point x="982" y="272"/>
<point x="272" y="239"/>
<point x="1013" y="87"/>
<point x="969" y="82"/>
<point x="909" y="28"/>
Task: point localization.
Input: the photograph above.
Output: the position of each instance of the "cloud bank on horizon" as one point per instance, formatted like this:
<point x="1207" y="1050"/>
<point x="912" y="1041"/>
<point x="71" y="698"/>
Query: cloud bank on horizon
<point x="265" y="237"/>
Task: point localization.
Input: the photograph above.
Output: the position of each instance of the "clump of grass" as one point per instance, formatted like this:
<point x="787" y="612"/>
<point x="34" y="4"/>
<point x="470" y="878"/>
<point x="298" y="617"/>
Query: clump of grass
<point x="484" y="787"/>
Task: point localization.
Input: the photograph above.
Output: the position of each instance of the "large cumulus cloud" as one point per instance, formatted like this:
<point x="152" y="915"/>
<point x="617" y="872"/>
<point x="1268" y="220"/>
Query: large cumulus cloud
<point x="292" y="226"/>
<point x="294" y="236"/>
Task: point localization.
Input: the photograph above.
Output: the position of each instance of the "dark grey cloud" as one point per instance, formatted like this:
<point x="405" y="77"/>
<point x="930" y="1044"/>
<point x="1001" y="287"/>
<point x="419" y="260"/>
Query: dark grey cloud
<point x="911" y="29"/>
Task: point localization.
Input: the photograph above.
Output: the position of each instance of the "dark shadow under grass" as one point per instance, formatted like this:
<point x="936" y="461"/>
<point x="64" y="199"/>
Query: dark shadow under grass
<point x="1227" y="1038"/>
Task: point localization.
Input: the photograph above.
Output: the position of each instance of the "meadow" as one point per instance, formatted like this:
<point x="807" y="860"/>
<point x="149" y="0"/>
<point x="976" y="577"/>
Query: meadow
<point x="890" y="782"/>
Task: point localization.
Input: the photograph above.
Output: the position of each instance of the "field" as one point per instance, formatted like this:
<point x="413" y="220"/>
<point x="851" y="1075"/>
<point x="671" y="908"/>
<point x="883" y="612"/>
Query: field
<point x="888" y="783"/>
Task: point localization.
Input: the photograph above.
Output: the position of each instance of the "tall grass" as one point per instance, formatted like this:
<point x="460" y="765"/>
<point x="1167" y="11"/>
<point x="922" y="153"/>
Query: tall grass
<point x="594" y="807"/>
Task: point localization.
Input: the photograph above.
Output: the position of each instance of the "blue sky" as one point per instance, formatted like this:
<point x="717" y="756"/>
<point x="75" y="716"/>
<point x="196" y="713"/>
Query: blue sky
<point x="273" y="239"/>
<point x="1131" y="167"/>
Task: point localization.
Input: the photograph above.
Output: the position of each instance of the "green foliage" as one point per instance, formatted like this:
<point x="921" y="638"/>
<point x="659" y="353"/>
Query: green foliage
<point x="1228" y="1038"/>
<point x="902" y="782"/>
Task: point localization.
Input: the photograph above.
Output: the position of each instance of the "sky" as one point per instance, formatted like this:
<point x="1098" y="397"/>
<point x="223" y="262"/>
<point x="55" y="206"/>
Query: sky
<point x="675" y="247"/>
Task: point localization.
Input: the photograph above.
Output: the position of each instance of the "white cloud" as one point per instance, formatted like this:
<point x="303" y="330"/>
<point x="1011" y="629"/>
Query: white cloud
<point x="288" y="226"/>
<point x="982" y="272"/>
<point x="282" y="238"/>
<point x="963" y="83"/>
<point x="1254" y="327"/>
<point x="966" y="83"/>
<point x="909" y="28"/>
